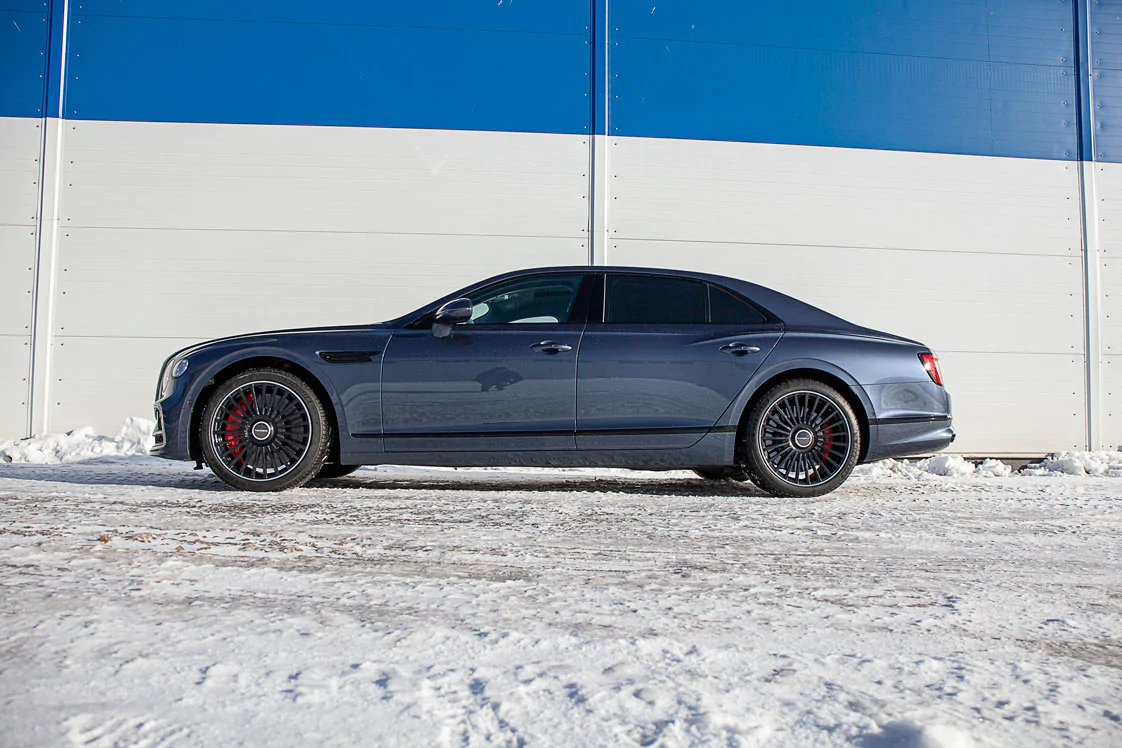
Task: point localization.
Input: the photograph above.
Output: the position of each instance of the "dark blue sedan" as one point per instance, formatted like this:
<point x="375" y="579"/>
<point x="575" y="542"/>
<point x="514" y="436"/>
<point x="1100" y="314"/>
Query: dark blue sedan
<point x="575" y="366"/>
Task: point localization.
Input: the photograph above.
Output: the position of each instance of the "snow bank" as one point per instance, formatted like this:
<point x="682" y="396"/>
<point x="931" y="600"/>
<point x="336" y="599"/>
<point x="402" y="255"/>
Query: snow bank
<point x="950" y="466"/>
<point x="1102" y="463"/>
<point x="133" y="438"/>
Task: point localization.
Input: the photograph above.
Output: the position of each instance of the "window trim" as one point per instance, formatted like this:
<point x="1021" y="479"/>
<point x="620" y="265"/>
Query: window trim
<point x="581" y="305"/>
<point x="604" y="309"/>
<point x="769" y="319"/>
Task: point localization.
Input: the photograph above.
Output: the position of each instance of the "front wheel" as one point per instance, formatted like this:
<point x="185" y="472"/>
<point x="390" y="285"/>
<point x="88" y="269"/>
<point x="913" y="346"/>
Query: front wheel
<point x="802" y="439"/>
<point x="264" y="430"/>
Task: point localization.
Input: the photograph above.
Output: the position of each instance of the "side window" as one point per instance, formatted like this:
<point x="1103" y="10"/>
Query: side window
<point x="543" y="300"/>
<point x="653" y="300"/>
<point x="726" y="309"/>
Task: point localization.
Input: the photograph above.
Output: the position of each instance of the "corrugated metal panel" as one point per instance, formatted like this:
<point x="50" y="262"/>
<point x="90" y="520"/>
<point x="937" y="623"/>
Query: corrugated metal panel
<point x="195" y="285"/>
<point x="1016" y="403"/>
<point x="20" y="140"/>
<point x="1108" y="214"/>
<point x="1112" y="401"/>
<point x="13" y="386"/>
<point x="19" y="202"/>
<point x="100" y="381"/>
<point x="182" y="232"/>
<point x="194" y="176"/>
<point x="520" y="66"/>
<point x="1106" y="78"/>
<point x="710" y="191"/>
<point x="23" y="44"/>
<point x="17" y="260"/>
<point x="937" y="77"/>
<point x="977" y="257"/>
<point x="984" y="303"/>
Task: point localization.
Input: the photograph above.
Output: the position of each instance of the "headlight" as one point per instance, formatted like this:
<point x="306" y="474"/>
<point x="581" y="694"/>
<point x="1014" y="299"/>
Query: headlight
<point x="179" y="369"/>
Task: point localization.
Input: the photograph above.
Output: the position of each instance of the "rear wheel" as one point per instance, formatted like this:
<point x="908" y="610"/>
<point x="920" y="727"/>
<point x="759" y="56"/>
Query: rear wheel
<point x="264" y="430"/>
<point x="802" y="439"/>
<point x="721" y="473"/>
<point x="327" y="472"/>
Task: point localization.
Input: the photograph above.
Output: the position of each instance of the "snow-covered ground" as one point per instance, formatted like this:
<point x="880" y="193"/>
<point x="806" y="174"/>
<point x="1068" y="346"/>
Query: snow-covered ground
<point x="145" y="604"/>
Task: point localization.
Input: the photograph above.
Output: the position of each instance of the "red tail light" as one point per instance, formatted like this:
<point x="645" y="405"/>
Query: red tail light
<point x="931" y="365"/>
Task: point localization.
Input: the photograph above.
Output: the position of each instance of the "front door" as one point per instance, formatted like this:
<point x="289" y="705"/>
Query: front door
<point x="666" y="362"/>
<point x="504" y="381"/>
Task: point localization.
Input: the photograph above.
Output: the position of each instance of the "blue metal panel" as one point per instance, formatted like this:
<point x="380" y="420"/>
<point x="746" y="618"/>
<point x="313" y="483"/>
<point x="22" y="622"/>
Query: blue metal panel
<point x="941" y="77"/>
<point x="468" y="65"/>
<point x="23" y="58"/>
<point x="1106" y="78"/>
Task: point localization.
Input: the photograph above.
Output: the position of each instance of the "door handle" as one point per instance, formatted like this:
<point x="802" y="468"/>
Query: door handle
<point x="739" y="349"/>
<point x="550" y="347"/>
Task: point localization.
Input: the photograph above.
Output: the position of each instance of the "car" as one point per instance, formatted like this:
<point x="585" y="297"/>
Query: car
<point x="587" y="366"/>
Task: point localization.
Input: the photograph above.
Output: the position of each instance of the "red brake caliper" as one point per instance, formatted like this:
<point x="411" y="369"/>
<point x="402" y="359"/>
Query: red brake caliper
<point x="232" y="429"/>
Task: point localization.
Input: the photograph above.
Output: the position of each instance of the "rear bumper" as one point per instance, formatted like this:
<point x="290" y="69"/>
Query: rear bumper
<point x="904" y="437"/>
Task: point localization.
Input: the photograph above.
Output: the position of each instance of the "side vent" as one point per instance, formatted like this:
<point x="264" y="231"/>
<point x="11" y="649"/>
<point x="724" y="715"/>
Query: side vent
<point x="348" y="357"/>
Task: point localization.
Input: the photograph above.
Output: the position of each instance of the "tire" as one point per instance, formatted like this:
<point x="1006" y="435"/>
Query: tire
<point x="329" y="471"/>
<point x="727" y="472"/>
<point x="802" y="439"/>
<point x="264" y="430"/>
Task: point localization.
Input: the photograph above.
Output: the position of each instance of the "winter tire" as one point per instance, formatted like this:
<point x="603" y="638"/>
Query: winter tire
<point x="802" y="439"/>
<point x="264" y="430"/>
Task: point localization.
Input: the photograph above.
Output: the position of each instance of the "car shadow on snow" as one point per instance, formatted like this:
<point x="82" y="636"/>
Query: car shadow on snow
<point x="487" y="483"/>
<point x="125" y="472"/>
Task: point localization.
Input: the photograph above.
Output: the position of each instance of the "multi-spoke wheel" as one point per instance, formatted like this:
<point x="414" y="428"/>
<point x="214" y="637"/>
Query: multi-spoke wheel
<point x="802" y="439"/>
<point x="264" y="430"/>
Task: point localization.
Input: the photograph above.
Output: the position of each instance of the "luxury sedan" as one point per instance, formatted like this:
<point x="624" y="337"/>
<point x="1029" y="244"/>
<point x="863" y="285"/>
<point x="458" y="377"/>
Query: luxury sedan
<point x="577" y="366"/>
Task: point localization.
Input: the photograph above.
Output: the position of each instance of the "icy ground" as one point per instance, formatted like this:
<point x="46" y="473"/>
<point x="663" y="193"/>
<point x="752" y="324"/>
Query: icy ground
<point x="143" y="603"/>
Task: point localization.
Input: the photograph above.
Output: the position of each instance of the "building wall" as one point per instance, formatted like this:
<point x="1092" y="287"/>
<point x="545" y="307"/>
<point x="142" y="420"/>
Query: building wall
<point x="950" y="172"/>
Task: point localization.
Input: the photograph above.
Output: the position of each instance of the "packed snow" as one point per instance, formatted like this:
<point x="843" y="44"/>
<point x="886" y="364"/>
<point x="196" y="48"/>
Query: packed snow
<point x="926" y="603"/>
<point x="133" y="438"/>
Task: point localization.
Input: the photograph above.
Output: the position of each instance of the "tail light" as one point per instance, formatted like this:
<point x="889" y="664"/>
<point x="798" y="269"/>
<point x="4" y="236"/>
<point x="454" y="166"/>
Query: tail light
<point x="931" y="365"/>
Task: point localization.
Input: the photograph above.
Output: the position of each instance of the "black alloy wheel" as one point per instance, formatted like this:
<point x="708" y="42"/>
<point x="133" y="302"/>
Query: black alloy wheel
<point x="265" y="430"/>
<point x="802" y="439"/>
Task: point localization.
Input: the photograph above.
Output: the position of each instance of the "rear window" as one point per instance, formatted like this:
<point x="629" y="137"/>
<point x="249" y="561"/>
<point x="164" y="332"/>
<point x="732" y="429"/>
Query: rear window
<point x="727" y="309"/>
<point x="650" y="300"/>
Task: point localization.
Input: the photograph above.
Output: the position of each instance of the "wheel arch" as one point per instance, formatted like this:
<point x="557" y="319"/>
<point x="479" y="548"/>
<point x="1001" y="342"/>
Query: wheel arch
<point x="849" y="389"/>
<point x="240" y="366"/>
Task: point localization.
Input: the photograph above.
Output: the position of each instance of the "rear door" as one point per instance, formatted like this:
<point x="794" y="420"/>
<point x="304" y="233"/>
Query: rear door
<point x="663" y="360"/>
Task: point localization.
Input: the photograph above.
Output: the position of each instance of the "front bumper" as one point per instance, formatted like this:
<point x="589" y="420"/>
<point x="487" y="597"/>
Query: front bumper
<point x="173" y="422"/>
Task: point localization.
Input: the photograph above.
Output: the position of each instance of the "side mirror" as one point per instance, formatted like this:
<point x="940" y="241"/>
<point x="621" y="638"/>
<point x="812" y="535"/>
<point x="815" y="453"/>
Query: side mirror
<point x="455" y="312"/>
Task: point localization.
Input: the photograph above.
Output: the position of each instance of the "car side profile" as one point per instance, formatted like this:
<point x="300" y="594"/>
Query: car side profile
<point x="563" y="367"/>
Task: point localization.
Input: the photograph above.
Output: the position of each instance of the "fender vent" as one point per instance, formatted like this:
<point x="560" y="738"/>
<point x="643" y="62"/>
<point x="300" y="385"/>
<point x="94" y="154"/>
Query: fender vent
<point x="348" y="357"/>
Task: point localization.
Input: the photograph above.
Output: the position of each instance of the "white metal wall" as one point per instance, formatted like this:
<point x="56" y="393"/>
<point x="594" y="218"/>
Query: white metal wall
<point x="20" y="145"/>
<point x="978" y="257"/>
<point x="174" y="233"/>
<point x="1107" y="216"/>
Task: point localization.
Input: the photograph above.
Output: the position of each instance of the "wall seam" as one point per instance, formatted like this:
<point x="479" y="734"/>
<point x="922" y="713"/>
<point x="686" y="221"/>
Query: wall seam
<point x="46" y="247"/>
<point x="1089" y="229"/>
